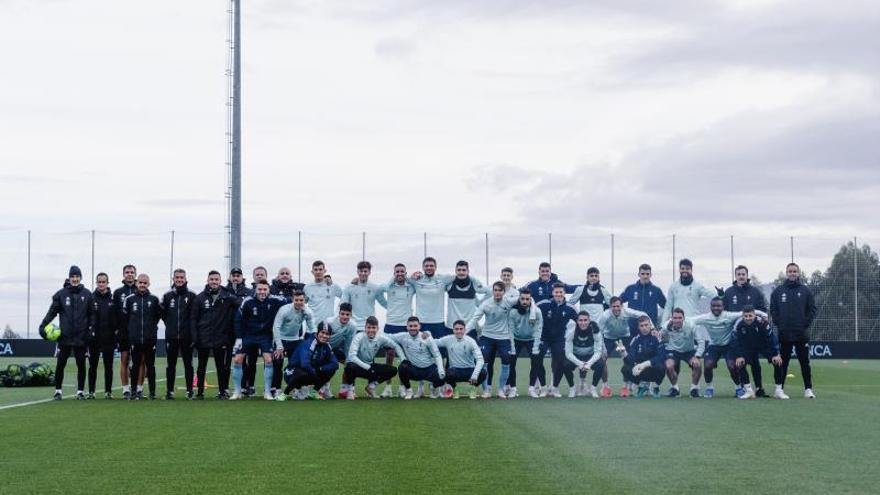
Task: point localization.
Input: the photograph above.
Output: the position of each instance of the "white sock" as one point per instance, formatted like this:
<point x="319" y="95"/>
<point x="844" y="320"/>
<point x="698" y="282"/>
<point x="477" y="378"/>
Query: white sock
<point x="603" y="384"/>
<point x="695" y="387"/>
<point x="709" y="385"/>
<point x="79" y="392"/>
<point x="58" y="390"/>
<point x="676" y="386"/>
<point x="779" y="388"/>
<point x="140" y="388"/>
<point x="126" y="388"/>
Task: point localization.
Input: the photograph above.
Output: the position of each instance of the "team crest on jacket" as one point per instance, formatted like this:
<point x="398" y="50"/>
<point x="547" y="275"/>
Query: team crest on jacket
<point x="149" y="304"/>
<point x="67" y="301"/>
<point x="636" y="296"/>
<point x="255" y="311"/>
<point x="734" y="299"/>
<point x="784" y="297"/>
<point x="171" y="304"/>
<point x="207" y="304"/>
<point x="134" y="306"/>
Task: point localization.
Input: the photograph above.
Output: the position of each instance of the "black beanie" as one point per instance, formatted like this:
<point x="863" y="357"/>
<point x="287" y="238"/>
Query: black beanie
<point x="74" y="270"/>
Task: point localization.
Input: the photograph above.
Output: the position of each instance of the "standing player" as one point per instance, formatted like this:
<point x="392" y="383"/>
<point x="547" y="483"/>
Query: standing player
<point x="644" y="296"/>
<point x="719" y="329"/>
<point x="313" y="364"/>
<point x="129" y="272"/>
<point x="254" y="321"/>
<point x="685" y="293"/>
<point x="360" y="363"/>
<point x="212" y="316"/>
<point x="421" y="360"/>
<point x="74" y="307"/>
<point x="463" y="295"/>
<point x="430" y="293"/>
<point x="321" y="293"/>
<point x="753" y="338"/>
<point x="584" y="349"/>
<point x="794" y="309"/>
<point x="542" y="288"/>
<point x="363" y="295"/>
<point x="739" y="295"/>
<point x="526" y="338"/>
<point x="399" y="298"/>
<point x="103" y="345"/>
<point x="176" y="309"/>
<point x="142" y="312"/>
<point x="682" y="342"/>
<point x="556" y="315"/>
<point x="643" y="360"/>
<point x="614" y="324"/>
<point x="236" y="285"/>
<point x="287" y="333"/>
<point x="496" y="339"/>
<point x="591" y="297"/>
<point x="465" y="360"/>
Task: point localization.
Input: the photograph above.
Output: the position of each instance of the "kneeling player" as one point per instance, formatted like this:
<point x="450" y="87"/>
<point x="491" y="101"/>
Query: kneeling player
<point x="643" y="362"/>
<point x="421" y="360"/>
<point x="465" y="360"/>
<point x="682" y="342"/>
<point x="342" y="331"/>
<point x="312" y="364"/>
<point x="361" y="354"/>
<point x="583" y="340"/>
<point x="752" y="339"/>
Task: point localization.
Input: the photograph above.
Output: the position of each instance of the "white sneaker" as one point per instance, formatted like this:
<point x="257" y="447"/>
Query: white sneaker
<point x="420" y="391"/>
<point x="501" y="394"/>
<point x="534" y="393"/>
<point x="749" y="393"/>
<point x="487" y="393"/>
<point x="387" y="393"/>
<point x="780" y="394"/>
<point x="401" y="392"/>
<point x="326" y="391"/>
<point x="371" y="391"/>
<point x="435" y="392"/>
<point x="350" y="395"/>
<point x="554" y="392"/>
<point x="594" y="393"/>
<point x="808" y="394"/>
<point x="236" y="396"/>
<point x="511" y="394"/>
<point x="408" y="394"/>
<point x="543" y="391"/>
<point x="572" y="392"/>
<point x="268" y="396"/>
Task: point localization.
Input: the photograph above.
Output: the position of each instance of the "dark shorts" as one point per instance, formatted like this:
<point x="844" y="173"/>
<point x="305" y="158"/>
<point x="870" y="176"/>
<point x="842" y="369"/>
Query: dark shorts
<point x="392" y="329"/>
<point x="678" y="357"/>
<point x="716" y="352"/>
<point x="340" y="354"/>
<point x="752" y="355"/>
<point x="437" y="329"/>
<point x="263" y="344"/>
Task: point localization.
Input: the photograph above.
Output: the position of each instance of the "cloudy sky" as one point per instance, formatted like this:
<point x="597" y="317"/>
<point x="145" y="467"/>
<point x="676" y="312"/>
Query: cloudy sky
<point x="702" y="118"/>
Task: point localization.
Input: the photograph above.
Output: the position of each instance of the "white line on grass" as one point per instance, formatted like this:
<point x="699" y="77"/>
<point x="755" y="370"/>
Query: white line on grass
<point x="50" y="399"/>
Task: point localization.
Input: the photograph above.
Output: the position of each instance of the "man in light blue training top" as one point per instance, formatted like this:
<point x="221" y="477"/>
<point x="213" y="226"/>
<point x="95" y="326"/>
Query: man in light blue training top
<point x="682" y="342"/>
<point x="463" y="295"/>
<point x="497" y="339"/>
<point x="399" y="299"/>
<point x="465" y="360"/>
<point x="287" y="332"/>
<point x="342" y="332"/>
<point x="363" y="295"/>
<point x="591" y="297"/>
<point x="614" y="324"/>
<point x="685" y="293"/>
<point x="431" y="297"/>
<point x="360" y="361"/>
<point x="526" y="339"/>
<point x="422" y="360"/>
<point x="321" y="294"/>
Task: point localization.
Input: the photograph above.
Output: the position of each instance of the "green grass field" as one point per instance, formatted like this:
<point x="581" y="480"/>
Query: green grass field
<point x="684" y="445"/>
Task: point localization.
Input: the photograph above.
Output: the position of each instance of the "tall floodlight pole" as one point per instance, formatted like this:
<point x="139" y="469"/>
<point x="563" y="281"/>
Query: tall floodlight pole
<point x="234" y="193"/>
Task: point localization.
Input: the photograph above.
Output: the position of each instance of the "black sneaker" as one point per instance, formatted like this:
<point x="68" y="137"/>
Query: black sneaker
<point x="108" y="395"/>
<point x="139" y="395"/>
<point x="695" y="393"/>
<point x="57" y="396"/>
<point x="224" y="396"/>
<point x="189" y="395"/>
<point x="91" y="396"/>
<point x="761" y="393"/>
<point x="251" y="391"/>
<point x="200" y="396"/>
<point x="126" y="395"/>
<point x="80" y="396"/>
<point x="152" y="396"/>
<point x="169" y="395"/>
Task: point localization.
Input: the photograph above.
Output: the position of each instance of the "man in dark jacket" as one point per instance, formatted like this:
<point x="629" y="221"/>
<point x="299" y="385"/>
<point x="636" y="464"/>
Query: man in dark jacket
<point x="643" y="361"/>
<point x="752" y="339"/>
<point x="103" y="346"/>
<point x="312" y="365"/>
<point x="141" y="312"/>
<point x="643" y="296"/>
<point x="739" y="295"/>
<point x="284" y="286"/>
<point x="129" y="272"/>
<point x="176" y="305"/>
<point x="542" y="287"/>
<point x="211" y="325"/>
<point x="73" y="306"/>
<point x="556" y="314"/>
<point x="792" y="310"/>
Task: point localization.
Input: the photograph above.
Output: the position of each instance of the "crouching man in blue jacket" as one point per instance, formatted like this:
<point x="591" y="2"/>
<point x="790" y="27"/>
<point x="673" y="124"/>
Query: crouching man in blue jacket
<point x="644" y="362"/>
<point x="312" y="365"/>
<point x="753" y="338"/>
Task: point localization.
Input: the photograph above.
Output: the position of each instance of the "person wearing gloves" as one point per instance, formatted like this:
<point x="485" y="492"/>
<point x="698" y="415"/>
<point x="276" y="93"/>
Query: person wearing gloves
<point x="75" y="310"/>
<point x="584" y="348"/>
<point x="526" y="338"/>
<point x="421" y="360"/>
<point x="614" y="324"/>
<point x="682" y="341"/>
<point x="287" y="333"/>
<point x="643" y="360"/>
<point x="311" y="366"/>
<point x="465" y="360"/>
<point x="361" y="356"/>
<point x="253" y="325"/>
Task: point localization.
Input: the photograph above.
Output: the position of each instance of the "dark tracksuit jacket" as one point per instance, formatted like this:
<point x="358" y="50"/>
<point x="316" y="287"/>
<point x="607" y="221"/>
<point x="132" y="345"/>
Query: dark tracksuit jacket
<point x="75" y="310"/>
<point x="735" y="297"/>
<point x="792" y="311"/>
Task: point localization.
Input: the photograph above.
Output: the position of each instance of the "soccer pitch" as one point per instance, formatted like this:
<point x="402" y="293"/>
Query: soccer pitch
<point x="522" y="445"/>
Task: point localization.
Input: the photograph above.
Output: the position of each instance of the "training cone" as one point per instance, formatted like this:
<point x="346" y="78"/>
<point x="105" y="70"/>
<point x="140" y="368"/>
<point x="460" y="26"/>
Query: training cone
<point x="789" y="375"/>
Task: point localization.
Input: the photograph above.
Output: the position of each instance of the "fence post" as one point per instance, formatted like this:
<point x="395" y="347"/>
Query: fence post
<point x="487" y="259"/>
<point x="171" y="262"/>
<point x="673" y="258"/>
<point x="550" y="248"/>
<point x="93" y="260"/>
<point x="791" y="240"/>
<point x="29" y="285"/>
<point x="299" y="255"/>
<point x="363" y="246"/>
<point x="732" y="270"/>
<point x="424" y="244"/>
<point x="856" y="283"/>
<point x="612" y="264"/>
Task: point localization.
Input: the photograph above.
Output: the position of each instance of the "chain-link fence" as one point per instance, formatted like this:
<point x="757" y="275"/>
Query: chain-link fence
<point x="843" y="273"/>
